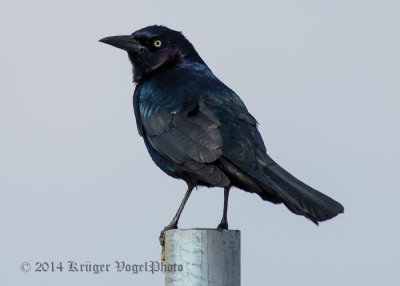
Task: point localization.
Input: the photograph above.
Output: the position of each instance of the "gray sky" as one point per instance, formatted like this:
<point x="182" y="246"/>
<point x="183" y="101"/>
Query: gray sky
<point x="321" y="77"/>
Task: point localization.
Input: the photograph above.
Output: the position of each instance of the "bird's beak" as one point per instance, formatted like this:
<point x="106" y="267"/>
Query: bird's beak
<point x="126" y="43"/>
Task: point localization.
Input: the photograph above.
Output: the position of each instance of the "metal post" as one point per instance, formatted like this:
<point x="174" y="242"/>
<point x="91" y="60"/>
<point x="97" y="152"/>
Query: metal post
<point x="206" y="257"/>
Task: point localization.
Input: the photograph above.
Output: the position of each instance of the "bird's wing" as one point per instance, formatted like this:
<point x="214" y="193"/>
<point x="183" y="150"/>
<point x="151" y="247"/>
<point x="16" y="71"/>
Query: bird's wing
<point x="188" y="133"/>
<point x="242" y="140"/>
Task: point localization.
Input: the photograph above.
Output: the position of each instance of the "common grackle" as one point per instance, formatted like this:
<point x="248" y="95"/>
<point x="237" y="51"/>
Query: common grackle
<point x="197" y="129"/>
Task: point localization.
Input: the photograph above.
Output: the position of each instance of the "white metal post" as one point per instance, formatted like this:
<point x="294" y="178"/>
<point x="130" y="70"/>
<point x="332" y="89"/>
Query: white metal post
<point x="202" y="257"/>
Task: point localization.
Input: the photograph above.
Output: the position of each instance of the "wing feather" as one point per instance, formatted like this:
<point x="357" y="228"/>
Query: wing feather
<point x="184" y="135"/>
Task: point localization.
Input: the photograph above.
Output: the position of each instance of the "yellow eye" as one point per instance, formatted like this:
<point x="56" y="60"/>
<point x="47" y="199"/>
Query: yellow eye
<point x="157" y="43"/>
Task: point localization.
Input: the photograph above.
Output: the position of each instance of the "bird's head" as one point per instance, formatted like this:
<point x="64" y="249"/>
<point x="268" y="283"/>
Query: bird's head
<point x="153" y="48"/>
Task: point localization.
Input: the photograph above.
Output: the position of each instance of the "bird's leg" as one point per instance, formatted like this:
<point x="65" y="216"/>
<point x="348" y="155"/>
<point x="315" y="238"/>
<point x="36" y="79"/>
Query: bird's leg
<point x="224" y="220"/>
<point x="174" y="223"/>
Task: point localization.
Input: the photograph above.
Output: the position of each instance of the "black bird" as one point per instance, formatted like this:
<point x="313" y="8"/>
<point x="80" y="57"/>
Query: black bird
<point x="197" y="129"/>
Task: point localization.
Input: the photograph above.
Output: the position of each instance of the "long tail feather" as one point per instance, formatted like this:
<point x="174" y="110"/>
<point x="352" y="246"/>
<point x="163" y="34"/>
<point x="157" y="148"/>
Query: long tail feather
<point x="298" y="197"/>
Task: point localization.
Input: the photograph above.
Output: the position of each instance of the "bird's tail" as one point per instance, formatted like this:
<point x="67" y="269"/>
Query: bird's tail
<point x="297" y="196"/>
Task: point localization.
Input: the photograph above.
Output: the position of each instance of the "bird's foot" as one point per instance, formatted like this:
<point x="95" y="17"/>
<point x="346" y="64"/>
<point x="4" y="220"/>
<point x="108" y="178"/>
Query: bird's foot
<point x="162" y="238"/>
<point x="162" y="233"/>
<point x="222" y="225"/>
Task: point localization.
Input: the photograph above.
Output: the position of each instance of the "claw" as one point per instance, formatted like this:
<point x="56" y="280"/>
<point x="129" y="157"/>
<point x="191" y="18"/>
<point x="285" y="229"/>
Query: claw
<point x="162" y="233"/>
<point x="222" y="226"/>
<point x="162" y="239"/>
